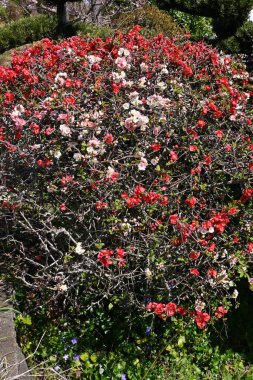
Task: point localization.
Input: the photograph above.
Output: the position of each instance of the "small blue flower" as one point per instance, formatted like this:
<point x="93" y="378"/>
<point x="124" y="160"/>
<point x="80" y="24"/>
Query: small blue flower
<point x="74" y="341"/>
<point x="148" y="330"/>
<point x="123" y="376"/>
<point x="76" y="357"/>
<point x="57" y="367"/>
<point x="65" y="357"/>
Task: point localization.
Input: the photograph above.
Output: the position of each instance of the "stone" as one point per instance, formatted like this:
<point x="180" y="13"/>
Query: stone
<point x="12" y="361"/>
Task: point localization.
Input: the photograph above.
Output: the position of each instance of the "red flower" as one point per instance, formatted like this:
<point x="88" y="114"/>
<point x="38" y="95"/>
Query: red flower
<point x="69" y="100"/>
<point x="191" y="202"/>
<point x="194" y="271"/>
<point x="193" y="148"/>
<point x="246" y="195"/>
<point x="108" y="139"/>
<point x="211" y="247"/>
<point x="152" y="197"/>
<point x="35" y="128"/>
<point x="219" y="133"/>
<point x="120" y="253"/>
<point x="181" y="310"/>
<point x="212" y="272"/>
<point x="170" y="309"/>
<point x="187" y="71"/>
<point x="201" y="319"/>
<point x="194" y="255"/>
<point x="139" y="189"/>
<point x="207" y="159"/>
<point x="104" y="256"/>
<point x="115" y="88"/>
<point x="250" y="247"/>
<point x="156" y="147"/>
<point x="8" y="96"/>
<point x="173" y="219"/>
<point x="220" y="312"/>
<point x="100" y="205"/>
<point x="201" y="123"/>
<point x="133" y="201"/>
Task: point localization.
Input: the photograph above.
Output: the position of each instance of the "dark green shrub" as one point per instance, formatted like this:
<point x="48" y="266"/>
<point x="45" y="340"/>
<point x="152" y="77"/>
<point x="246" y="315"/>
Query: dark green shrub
<point x="245" y="37"/>
<point x="26" y="30"/>
<point x="241" y="42"/>
<point x="151" y="19"/>
<point x="230" y="45"/>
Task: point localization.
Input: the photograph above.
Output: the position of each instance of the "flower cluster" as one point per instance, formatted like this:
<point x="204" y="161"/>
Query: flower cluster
<point x="122" y="155"/>
<point x="105" y="257"/>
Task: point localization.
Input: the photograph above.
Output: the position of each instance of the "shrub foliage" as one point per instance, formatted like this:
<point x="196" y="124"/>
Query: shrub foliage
<point x="151" y="19"/>
<point x="26" y="30"/>
<point x="126" y="175"/>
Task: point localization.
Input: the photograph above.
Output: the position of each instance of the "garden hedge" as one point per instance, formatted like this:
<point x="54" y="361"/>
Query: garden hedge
<point x="26" y="30"/>
<point x="126" y="176"/>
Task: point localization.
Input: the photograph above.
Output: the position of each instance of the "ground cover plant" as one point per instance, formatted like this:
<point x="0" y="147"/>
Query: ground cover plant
<point x="126" y="178"/>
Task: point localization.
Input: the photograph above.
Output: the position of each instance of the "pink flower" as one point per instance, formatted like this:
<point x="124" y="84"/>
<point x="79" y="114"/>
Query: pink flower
<point x="173" y="156"/>
<point x="142" y="164"/>
<point x="62" y="207"/>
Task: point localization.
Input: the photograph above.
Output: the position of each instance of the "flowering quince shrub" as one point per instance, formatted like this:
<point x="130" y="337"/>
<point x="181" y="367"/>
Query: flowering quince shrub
<point x="126" y="171"/>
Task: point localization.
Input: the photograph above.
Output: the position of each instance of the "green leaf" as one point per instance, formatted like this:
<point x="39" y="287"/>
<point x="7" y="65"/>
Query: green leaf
<point x="85" y="356"/>
<point x="93" y="358"/>
<point x="181" y="341"/>
<point x="25" y="320"/>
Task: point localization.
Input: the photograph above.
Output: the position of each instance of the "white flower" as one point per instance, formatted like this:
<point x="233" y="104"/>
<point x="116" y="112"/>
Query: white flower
<point x="148" y="273"/>
<point x="143" y="164"/>
<point x="118" y="77"/>
<point x="61" y="78"/>
<point x="134" y="98"/>
<point x="126" y="106"/>
<point x="65" y="130"/>
<point x="61" y="287"/>
<point x="93" y="59"/>
<point x="144" y="67"/>
<point x="124" y="52"/>
<point x="161" y="86"/>
<point x="158" y="101"/>
<point x="79" y="250"/>
<point x="142" y="82"/>
<point x="199" y="305"/>
<point x="164" y="71"/>
<point x="136" y="120"/>
<point x="235" y="294"/>
<point x="155" y="161"/>
<point x="77" y="157"/>
<point x="57" y="154"/>
<point x="110" y="172"/>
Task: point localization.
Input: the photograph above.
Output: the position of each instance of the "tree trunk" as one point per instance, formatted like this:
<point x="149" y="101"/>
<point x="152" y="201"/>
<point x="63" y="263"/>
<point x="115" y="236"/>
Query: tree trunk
<point x="95" y="9"/>
<point x="62" y="14"/>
